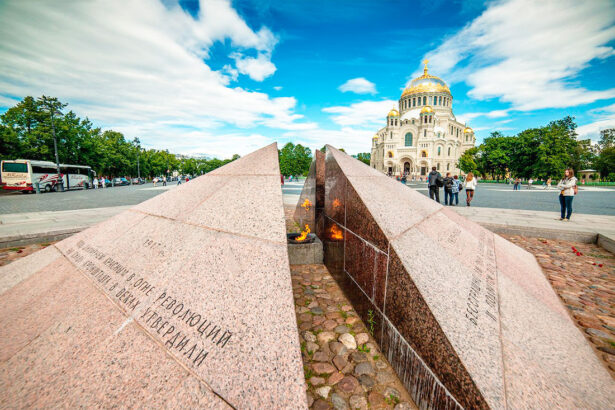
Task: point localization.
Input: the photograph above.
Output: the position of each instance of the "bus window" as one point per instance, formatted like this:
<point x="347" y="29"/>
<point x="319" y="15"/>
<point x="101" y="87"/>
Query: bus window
<point x="15" y="167"/>
<point x="36" y="169"/>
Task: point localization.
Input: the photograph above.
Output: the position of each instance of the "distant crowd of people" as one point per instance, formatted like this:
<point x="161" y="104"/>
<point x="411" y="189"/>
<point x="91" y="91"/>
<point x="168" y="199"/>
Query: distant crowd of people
<point x="453" y="185"/>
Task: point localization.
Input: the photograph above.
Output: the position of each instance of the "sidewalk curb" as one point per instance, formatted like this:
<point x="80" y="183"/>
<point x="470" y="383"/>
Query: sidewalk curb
<point x="31" y="238"/>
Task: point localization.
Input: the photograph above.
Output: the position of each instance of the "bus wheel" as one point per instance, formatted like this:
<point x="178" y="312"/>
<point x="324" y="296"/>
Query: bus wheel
<point x="47" y="188"/>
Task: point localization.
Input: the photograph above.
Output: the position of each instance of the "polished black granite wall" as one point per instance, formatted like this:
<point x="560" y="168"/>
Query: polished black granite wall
<point x="360" y="258"/>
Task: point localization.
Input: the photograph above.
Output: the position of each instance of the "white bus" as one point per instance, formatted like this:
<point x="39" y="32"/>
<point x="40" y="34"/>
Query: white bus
<point x="22" y="174"/>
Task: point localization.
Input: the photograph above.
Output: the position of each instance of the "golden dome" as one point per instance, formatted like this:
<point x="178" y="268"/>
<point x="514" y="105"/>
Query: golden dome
<point x="426" y="110"/>
<point x="375" y="137"/>
<point x="393" y="113"/>
<point x="426" y="84"/>
<point x="468" y="130"/>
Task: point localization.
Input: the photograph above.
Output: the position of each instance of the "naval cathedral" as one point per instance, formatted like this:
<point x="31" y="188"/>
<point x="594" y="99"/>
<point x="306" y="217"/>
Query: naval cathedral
<point x="422" y="133"/>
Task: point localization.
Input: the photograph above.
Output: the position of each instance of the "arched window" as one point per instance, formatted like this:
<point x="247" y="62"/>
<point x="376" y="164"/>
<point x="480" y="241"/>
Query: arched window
<point x="414" y="102"/>
<point x="424" y="133"/>
<point x="448" y="166"/>
<point x="424" y="154"/>
<point x="440" y="99"/>
<point x="424" y="100"/>
<point x="390" y="154"/>
<point x="408" y="139"/>
<point x="439" y="150"/>
<point x="449" y="151"/>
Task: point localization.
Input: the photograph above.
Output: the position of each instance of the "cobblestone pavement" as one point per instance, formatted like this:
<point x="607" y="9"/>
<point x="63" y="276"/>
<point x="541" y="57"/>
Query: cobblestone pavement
<point x="8" y="255"/>
<point x="343" y="366"/>
<point x="583" y="275"/>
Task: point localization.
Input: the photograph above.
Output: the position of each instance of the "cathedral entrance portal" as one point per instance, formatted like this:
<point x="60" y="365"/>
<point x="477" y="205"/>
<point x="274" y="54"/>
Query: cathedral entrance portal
<point x="423" y="171"/>
<point x="406" y="167"/>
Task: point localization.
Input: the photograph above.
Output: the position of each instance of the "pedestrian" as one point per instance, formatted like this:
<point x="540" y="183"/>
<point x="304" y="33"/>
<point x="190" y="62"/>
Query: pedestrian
<point x="568" y="189"/>
<point x="548" y="183"/>
<point x="155" y="181"/>
<point x="187" y="178"/>
<point x="104" y="182"/>
<point x="529" y="183"/>
<point x="282" y="179"/>
<point x="403" y="179"/>
<point x="434" y="181"/>
<point x="455" y="190"/>
<point x="95" y="183"/>
<point x="470" y="187"/>
<point x="179" y="180"/>
<point x="448" y="189"/>
<point x="164" y="181"/>
<point x="517" y="185"/>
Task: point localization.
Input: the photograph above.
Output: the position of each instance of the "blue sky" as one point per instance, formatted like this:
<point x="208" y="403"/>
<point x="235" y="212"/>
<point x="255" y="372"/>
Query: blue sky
<point x="218" y="77"/>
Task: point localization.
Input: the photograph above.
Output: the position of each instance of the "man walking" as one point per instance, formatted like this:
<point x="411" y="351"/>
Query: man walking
<point x="435" y="181"/>
<point x="448" y="189"/>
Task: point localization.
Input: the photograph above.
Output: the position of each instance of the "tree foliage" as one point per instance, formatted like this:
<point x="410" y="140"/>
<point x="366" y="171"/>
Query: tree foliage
<point x="295" y="159"/>
<point x="25" y="132"/>
<point x="364" y="157"/>
<point x="542" y="152"/>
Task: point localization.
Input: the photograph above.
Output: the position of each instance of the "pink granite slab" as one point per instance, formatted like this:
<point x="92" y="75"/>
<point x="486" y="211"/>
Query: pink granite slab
<point x="547" y="360"/>
<point x="260" y="162"/>
<point x="457" y="296"/>
<point x="215" y="269"/>
<point x="255" y="199"/>
<point x="24" y="267"/>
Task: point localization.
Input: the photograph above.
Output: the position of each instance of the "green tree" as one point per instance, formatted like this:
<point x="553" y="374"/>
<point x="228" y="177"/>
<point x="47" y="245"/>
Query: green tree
<point x="295" y="159"/>
<point x="607" y="138"/>
<point x="605" y="163"/>
<point x="364" y="157"/>
<point x="467" y="161"/>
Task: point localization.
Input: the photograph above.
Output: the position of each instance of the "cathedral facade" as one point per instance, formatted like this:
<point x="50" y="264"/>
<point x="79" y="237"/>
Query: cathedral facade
<point x="422" y="133"/>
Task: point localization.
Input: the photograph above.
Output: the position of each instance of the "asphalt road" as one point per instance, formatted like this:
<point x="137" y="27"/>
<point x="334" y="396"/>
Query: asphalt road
<point x="591" y="200"/>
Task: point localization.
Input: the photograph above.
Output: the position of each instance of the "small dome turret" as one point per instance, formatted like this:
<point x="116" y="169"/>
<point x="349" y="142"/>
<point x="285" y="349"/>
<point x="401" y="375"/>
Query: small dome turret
<point x="426" y="110"/>
<point x="393" y="113"/>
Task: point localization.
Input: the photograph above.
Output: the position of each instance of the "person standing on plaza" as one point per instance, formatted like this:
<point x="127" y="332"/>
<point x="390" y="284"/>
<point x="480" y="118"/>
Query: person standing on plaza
<point x="470" y="187"/>
<point x="455" y="190"/>
<point x="529" y="183"/>
<point x="568" y="189"/>
<point x="448" y="189"/>
<point x="548" y="183"/>
<point x="434" y="181"/>
<point x="95" y="183"/>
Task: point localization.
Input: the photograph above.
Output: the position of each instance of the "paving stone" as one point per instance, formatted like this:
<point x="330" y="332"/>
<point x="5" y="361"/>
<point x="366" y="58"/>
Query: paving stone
<point x="348" y="340"/>
<point x="358" y="402"/>
<point x="366" y="381"/>
<point x="348" y="384"/>
<point x="351" y="320"/>
<point x="348" y="369"/>
<point x="325" y="337"/>
<point x="309" y="336"/>
<point x="321" y="357"/>
<point x="342" y="329"/>
<point x="404" y="405"/>
<point x="380" y="364"/>
<point x="329" y="324"/>
<point x="318" y="320"/>
<point x="362" y="338"/>
<point x="308" y="292"/>
<point x="376" y="400"/>
<point x="317" y="310"/>
<point x="385" y="377"/>
<point x="338" y="348"/>
<point x="598" y="333"/>
<point x="358" y="357"/>
<point x="321" y="404"/>
<point x="323" y="391"/>
<point x="340" y="362"/>
<point x="364" y="368"/>
<point x="391" y="391"/>
<point x="346" y="308"/>
<point x="317" y="381"/>
<point x="335" y="378"/>
<point x="311" y="347"/>
<point x="310" y="399"/>
<point x="338" y="402"/>
<point x="323" y="368"/>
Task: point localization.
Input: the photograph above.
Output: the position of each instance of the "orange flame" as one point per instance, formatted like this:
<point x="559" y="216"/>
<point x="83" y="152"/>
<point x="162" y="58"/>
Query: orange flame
<point x="306" y="204"/>
<point x="336" y="233"/>
<point x="336" y="203"/>
<point x="303" y="235"/>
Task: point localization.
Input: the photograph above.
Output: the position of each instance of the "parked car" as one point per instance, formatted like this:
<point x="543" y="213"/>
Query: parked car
<point x="120" y="181"/>
<point x="138" y="181"/>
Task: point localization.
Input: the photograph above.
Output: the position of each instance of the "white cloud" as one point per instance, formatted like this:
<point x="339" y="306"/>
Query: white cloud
<point x="138" y="66"/>
<point x="528" y="52"/>
<point x="359" y="86"/>
<point x="604" y="119"/>
<point x="365" y="113"/>
<point x="467" y="117"/>
<point x="257" y="68"/>
<point x="277" y="87"/>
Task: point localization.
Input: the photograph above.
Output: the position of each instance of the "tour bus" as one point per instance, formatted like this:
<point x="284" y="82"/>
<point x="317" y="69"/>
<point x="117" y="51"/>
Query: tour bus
<point x="22" y="174"/>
